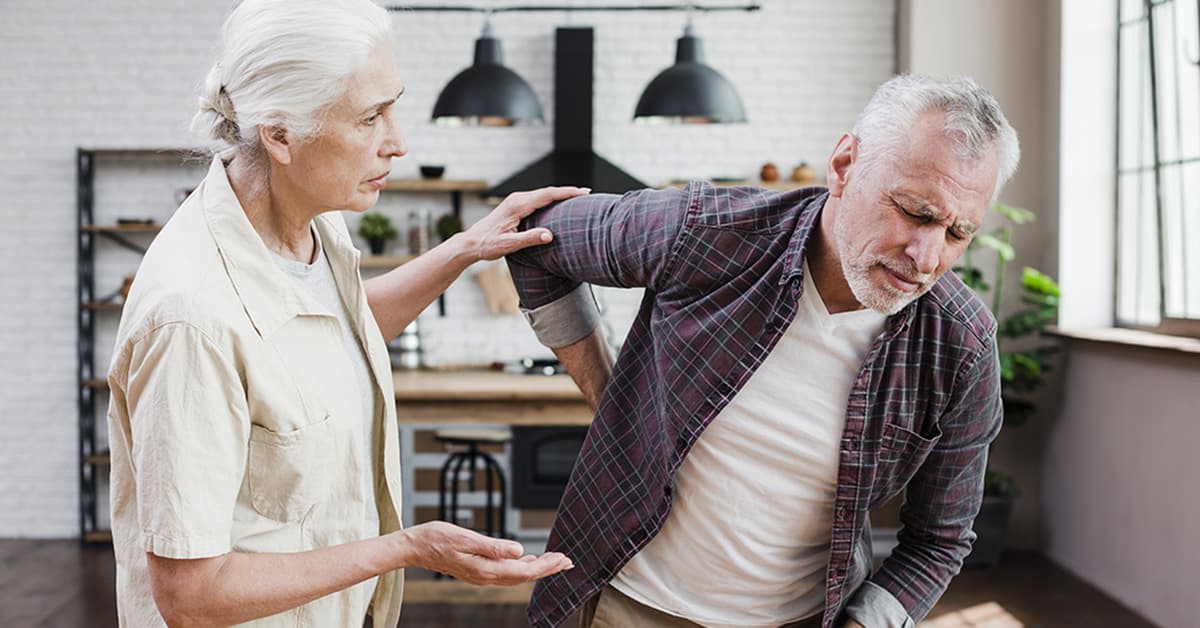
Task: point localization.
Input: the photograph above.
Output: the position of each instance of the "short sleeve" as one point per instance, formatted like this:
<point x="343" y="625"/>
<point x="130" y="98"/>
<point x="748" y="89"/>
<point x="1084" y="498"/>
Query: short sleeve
<point x="189" y="426"/>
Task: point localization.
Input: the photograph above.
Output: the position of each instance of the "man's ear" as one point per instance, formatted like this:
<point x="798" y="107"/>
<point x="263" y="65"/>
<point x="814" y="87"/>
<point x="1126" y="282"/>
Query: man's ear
<point x="845" y="154"/>
<point x="277" y="142"/>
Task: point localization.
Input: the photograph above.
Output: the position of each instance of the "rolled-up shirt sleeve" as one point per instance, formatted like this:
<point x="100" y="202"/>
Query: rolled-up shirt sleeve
<point x="871" y="605"/>
<point x="603" y="239"/>
<point x="567" y="320"/>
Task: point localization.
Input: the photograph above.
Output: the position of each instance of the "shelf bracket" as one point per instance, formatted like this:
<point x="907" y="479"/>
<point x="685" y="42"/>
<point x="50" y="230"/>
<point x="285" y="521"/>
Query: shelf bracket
<point x="141" y="250"/>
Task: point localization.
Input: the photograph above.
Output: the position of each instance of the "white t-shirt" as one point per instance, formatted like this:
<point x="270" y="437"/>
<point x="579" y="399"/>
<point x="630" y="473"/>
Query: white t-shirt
<point x="317" y="279"/>
<point x="747" y="541"/>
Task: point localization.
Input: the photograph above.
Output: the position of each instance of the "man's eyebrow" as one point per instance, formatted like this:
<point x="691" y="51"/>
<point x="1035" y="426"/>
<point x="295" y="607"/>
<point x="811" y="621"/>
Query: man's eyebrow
<point x="383" y="104"/>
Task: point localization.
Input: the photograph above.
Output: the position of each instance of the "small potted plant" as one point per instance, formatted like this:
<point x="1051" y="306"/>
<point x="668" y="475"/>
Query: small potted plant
<point x="376" y="228"/>
<point x="1023" y="367"/>
<point x="448" y="225"/>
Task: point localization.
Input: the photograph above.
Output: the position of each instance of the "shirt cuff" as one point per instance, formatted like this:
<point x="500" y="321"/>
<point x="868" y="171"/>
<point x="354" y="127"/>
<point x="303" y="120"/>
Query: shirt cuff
<point x="872" y="605"/>
<point x="565" y="320"/>
<point x="185" y="548"/>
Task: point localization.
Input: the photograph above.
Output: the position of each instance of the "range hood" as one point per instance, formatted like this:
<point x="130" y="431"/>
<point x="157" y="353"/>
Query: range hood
<point x="572" y="161"/>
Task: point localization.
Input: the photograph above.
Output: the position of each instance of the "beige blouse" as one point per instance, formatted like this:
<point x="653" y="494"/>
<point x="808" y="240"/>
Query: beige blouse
<point x="234" y="418"/>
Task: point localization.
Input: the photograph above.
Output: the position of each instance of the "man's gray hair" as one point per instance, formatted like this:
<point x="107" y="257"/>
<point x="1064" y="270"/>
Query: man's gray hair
<point x="974" y="121"/>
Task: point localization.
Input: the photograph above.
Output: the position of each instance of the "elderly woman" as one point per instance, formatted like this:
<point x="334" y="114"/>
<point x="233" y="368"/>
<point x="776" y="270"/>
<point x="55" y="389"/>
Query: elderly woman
<point x="255" y="457"/>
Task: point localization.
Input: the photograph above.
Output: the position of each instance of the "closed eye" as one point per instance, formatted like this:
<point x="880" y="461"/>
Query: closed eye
<point x="925" y="218"/>
<point x="954" y="233"/>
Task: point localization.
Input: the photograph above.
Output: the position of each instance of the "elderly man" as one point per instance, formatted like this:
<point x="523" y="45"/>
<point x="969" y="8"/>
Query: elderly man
<point x="798" y="358"/>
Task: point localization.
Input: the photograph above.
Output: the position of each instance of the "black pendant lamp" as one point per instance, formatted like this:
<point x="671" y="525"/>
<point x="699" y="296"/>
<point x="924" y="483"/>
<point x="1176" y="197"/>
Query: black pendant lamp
<point x="487" y="93"/>
<point x="689" y="91"/>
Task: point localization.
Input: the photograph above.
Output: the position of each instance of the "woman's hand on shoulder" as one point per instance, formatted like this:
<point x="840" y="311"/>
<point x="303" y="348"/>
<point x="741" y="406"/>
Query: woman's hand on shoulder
<point x="475" y="558"/>
<point x="496" y="234"/>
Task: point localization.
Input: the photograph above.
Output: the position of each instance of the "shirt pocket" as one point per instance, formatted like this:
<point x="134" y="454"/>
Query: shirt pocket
<point x="901" y="453"/>
<point x="289" y="471"/>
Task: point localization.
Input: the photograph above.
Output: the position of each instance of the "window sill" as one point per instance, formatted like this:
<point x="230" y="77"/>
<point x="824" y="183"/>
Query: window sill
<point x="1129" y="338"/>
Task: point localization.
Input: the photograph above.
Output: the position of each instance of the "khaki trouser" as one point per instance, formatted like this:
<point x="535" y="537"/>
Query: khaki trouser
<point x="613" y="609"/>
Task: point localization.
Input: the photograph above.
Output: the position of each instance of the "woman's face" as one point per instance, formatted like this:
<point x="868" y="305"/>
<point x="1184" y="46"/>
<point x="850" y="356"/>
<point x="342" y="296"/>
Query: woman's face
<point x="347" y="164"/>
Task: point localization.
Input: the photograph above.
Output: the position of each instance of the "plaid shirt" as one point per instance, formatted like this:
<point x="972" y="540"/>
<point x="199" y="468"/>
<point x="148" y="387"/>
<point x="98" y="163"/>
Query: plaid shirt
<point x="722" y="267"/>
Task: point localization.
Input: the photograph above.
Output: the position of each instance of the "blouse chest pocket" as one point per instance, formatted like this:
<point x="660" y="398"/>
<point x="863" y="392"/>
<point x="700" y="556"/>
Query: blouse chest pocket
<point x="901" y="453"/>
<point x="289" y="472"/>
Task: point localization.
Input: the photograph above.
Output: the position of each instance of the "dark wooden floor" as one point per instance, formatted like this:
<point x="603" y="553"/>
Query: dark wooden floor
<point x="63" y="584"/>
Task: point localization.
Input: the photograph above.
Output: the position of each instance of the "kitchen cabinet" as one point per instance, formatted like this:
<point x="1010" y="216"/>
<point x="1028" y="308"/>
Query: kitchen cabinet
<point x="428" y="400"/>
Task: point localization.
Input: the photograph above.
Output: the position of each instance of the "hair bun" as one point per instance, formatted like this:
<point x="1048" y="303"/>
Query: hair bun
<point x="225" y="127"/>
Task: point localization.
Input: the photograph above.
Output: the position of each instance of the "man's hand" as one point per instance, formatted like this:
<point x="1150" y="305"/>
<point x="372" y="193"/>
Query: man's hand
<point x="496" y="235"/>
<point x="850" y="623"/>
<point x="475" y="558"/>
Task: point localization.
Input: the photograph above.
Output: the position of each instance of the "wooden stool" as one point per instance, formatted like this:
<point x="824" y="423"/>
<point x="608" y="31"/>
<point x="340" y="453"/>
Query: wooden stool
<point x="448" y="484"/>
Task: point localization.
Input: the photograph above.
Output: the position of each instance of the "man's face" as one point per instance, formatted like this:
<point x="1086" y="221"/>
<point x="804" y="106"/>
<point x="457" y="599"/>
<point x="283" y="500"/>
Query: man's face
<point x="904" y="221"/>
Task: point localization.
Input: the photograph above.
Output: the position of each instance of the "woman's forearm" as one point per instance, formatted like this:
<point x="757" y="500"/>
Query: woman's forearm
<point x="397" y="297"/>
<point x="239" y="587"/>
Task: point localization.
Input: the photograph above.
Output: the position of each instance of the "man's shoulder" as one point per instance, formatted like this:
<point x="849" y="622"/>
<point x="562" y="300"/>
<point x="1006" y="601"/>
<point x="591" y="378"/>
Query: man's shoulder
<point x="749" y="208"/>
<point x="955" y="302"/>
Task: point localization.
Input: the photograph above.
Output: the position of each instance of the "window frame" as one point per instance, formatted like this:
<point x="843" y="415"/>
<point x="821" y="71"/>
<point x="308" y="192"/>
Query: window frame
<point x="1157" y="163"/>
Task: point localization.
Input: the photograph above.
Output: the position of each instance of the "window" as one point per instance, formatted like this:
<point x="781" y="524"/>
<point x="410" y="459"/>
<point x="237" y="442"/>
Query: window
<point x="1158" y="166"/>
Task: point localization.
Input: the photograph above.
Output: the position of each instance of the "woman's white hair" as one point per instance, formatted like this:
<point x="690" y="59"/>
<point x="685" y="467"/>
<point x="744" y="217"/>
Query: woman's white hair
<point x="974" y="121"/>
<point x="284" y="63"/>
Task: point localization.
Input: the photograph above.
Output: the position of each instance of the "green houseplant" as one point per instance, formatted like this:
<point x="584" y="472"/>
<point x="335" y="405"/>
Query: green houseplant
<point x="1024" y="359"/>
<point x="376" y="228"/>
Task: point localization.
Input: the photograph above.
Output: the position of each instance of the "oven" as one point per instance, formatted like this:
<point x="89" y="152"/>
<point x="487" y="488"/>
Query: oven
<point x="542" y="459"/>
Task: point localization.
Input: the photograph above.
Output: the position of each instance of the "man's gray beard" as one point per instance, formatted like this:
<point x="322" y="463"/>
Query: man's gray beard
<point x="883" y="299"/>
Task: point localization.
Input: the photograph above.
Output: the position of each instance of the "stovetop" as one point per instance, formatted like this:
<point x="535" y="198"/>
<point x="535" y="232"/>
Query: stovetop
<point x="533" y="366"/>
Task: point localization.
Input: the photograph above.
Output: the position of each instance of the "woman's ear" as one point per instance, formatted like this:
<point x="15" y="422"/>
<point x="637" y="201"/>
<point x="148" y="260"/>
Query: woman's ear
<point x="277" y="142"/>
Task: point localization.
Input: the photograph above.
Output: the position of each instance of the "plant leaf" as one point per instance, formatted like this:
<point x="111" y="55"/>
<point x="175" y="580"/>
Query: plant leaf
<point x="1020" y="324"/>
<point x="999" y="483"/>
<point x="1006" y="368"/>
<point x="1039" y="283"/>
<point x="1048" y="302"/>
<point x="1002" y="248"/>
<point x="1017" y="215"/>
<point x="973" y="277"/>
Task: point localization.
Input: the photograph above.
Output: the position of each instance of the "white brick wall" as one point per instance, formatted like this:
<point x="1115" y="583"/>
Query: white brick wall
<point x="123" y="73"/>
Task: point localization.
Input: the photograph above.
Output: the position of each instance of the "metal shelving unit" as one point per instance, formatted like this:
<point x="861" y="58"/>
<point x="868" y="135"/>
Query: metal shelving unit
<point x="93" y="460"/>
<point x="85" y="343"/>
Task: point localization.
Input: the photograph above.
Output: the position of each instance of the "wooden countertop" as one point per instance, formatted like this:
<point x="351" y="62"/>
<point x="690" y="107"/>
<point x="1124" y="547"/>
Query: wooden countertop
<point x="482" y="385"/>
<point x="488" y="397"/>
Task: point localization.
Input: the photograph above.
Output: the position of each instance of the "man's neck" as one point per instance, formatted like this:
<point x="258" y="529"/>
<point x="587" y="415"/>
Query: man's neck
<point x="826" y="266"/>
